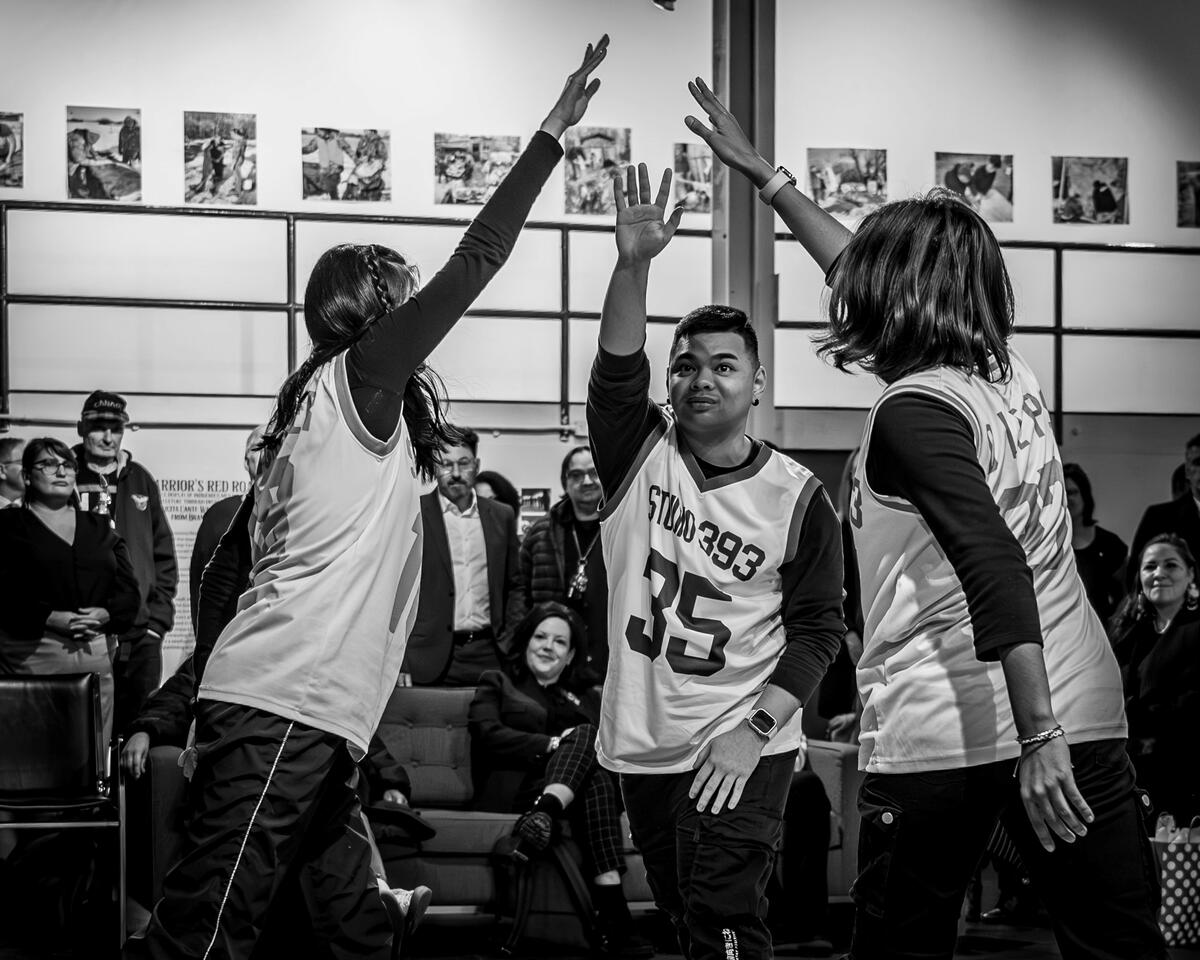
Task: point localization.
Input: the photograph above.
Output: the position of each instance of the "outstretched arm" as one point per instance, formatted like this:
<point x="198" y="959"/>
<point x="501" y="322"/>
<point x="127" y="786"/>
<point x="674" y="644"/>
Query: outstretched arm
<point x="642" y="234"/>
<point x="819" y="233"/>
<point x="394" y="346"/>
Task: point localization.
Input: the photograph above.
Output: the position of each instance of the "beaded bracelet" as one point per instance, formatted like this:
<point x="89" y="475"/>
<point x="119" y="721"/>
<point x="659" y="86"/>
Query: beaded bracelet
<point x="1042" y="737"/>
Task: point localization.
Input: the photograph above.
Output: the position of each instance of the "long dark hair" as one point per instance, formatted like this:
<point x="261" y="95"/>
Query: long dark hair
<point x="1135" y="607"/>
<point x="518" y="669"/>
<point x="352" y="286"/>
<point x="1074" y="472"/>
<point x="921" y="284"/>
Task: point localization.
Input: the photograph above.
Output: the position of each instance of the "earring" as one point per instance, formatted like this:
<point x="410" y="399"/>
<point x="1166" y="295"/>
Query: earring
<point x="1139" y="606"/>
<point x="754" y="402"/>
<point x="1193" y="596"/>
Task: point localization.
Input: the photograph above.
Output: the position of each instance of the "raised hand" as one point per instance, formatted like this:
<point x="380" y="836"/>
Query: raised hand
<point x="726" y="137"/>
<point x="578" y="92"/>
<point x="642" y="231"/>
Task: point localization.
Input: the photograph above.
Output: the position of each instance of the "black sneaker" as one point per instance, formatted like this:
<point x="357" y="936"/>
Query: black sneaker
<point x="534" y="831"/>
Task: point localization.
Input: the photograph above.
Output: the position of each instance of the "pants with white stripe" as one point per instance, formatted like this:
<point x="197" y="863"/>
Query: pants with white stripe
<point x="274" y="812"/>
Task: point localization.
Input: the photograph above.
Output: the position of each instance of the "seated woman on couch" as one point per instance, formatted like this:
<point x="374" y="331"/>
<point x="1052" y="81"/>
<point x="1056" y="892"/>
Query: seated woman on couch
<point x="533" y="739"/>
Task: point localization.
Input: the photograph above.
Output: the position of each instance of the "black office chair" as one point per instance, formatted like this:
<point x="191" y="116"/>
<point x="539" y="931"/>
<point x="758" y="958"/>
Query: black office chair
<point x="56" y="771"/>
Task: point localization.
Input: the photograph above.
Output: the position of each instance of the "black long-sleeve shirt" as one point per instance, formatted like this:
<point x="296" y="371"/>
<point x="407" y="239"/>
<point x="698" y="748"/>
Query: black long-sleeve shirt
<point x="379" y="364"/>
<point x="40" y="573"/>
<point x="621" y="416"/>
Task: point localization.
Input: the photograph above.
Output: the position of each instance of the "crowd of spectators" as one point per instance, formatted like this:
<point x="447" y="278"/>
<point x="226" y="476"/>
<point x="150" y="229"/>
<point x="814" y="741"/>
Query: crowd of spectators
<point x="88" y="575"/>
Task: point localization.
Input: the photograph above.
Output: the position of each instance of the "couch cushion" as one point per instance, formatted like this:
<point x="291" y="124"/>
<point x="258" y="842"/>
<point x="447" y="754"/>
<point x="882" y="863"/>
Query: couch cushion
<point x="425" y="728"/>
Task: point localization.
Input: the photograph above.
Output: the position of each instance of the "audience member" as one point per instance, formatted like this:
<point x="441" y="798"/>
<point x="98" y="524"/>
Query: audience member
<point x="1099" y="554"/>
<point x="12" y="481"/>
<point x="1156" y="637"/>
<point x="216" y="521"/>
<point x="112" y="485"/>
<point x="67" y="585"/>
<point x="1179" y="516"/>
<point x="533" y="744"/>
<point x="562" y="560"/>
<point x="468" y="576"/>
<point x="1179" y="484"/>
<point x="495" y="486"/>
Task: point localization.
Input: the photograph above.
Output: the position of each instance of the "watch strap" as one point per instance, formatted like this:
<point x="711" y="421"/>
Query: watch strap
<point x="781" y="176"/>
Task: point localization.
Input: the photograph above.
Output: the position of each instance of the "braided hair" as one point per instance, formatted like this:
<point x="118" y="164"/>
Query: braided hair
<point x="351" y="287"/>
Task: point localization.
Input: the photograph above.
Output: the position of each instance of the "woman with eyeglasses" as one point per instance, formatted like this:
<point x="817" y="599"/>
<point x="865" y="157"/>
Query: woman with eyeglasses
<point x="67" y="586"/>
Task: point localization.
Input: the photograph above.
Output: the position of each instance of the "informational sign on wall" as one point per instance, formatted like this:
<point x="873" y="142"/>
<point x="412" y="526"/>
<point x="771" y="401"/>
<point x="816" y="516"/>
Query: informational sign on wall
<point x="185" y="502"/>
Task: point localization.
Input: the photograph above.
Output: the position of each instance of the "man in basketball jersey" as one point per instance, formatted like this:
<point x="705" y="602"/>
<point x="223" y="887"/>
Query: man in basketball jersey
<point x="725" y="585"/>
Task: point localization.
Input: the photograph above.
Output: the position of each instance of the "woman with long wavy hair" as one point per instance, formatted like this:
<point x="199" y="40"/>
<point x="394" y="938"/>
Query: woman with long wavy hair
<point x="298" y="680"/>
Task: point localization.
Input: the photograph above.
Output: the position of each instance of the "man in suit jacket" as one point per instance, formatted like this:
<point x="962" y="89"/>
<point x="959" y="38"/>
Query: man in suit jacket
<point x="469" y="573"/>
<point x="1180" y="516"/>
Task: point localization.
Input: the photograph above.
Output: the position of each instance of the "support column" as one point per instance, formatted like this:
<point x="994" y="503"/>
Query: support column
<point x="743" y="248"/>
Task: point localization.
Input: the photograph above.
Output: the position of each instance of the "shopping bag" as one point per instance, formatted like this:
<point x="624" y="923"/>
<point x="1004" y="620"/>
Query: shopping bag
<point x="1179" y="866"/>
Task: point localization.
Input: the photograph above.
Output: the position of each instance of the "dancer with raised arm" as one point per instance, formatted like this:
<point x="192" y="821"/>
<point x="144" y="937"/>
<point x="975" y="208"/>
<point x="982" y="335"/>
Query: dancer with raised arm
<point x="298" y="680"/>
<point x="988" y="687"/>
<point x="724" y="568"/>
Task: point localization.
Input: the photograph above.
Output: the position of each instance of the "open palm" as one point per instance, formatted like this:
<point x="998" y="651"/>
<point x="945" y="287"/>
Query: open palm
<point x="642" y="228"/>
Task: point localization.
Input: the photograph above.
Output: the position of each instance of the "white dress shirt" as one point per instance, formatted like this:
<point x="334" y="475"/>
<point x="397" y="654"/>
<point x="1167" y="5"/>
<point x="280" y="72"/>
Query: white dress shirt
<point x="468" y="558"/>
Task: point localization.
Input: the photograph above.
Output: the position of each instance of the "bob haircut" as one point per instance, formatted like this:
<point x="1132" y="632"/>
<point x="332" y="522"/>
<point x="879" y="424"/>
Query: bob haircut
<point x="35" y="449"/>
<point x="921" y="284"/>
<point x="506" y="493"/>
<point x="717" y="318"/>
<point x="1074" y="472"/>
<point x="517" y="668"/>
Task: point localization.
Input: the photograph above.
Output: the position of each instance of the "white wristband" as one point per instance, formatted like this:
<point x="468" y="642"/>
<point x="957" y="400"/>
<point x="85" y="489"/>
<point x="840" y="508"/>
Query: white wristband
<point x="781" y="176"/>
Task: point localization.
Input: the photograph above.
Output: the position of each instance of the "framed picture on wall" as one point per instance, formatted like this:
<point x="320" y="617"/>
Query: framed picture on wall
<point x="104" y="154"/>
<point x="467" y="168"/>
<point x="1187" y="173"/>
<point x="593" y="155"/>
<point x="220" y="158"/>
<point x="12" y="149"/>
<point x="984" y="180"/>
<point x="693" y="177"/>
<point x="1090" y="189"/>
<point x="340" y="164"/>
<point x="848" y="182"/>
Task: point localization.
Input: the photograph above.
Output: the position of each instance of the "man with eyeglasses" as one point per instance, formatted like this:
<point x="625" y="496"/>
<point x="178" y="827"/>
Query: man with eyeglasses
<point x="12" y="482"/>
<point x="468" y="602"/>
<point x="561" y="558"/>
<point x="111" y="483"/>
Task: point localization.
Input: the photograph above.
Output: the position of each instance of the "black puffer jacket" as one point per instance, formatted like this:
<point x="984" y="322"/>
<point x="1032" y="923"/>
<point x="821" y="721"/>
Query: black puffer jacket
<point x="543" y="557"/>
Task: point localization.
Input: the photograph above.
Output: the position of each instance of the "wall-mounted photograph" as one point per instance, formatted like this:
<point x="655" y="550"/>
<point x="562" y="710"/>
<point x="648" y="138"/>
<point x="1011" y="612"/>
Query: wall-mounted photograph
<point x="847" y="182"/>
<point x="345" y="164"/>
<point x="1187" y="173"/>
<point x="467" y="168"/>
<point x="1090" y="189"/>
<point x="693" y="177"/>
<point x="220" y="158"/>
<point x="984" y="180"/>
<point x="593" y="156"/>
<point x="104" y="154"/>
<point x="12" y="149"/>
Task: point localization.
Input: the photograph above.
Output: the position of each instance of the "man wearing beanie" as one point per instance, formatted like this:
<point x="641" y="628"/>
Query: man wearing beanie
<point x="109" y="482"/>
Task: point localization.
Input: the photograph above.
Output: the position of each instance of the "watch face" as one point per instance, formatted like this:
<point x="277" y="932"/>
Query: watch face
<point x="792" y="177"/>
<point x="763" y="722"/>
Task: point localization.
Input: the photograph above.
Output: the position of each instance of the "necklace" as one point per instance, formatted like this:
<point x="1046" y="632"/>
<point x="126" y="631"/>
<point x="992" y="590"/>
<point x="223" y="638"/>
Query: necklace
<point x="1164" y="628"/>
<point x="579" y="583"/>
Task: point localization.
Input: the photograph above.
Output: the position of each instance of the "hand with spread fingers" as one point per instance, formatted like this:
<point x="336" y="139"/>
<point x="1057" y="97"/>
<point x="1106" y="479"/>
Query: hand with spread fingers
<point x="643" y="229"/>
<point x="726" y="138"/>
<point x="725" y="766"/>
<point x="1052" y="801"/>
<point x="577" y="93"/>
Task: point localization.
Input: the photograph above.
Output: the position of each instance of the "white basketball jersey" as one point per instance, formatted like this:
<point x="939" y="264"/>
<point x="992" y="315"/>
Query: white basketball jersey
<point x="694" y="601"/>
<point x="336" y="539"/>
<point x="928" y="702"/>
